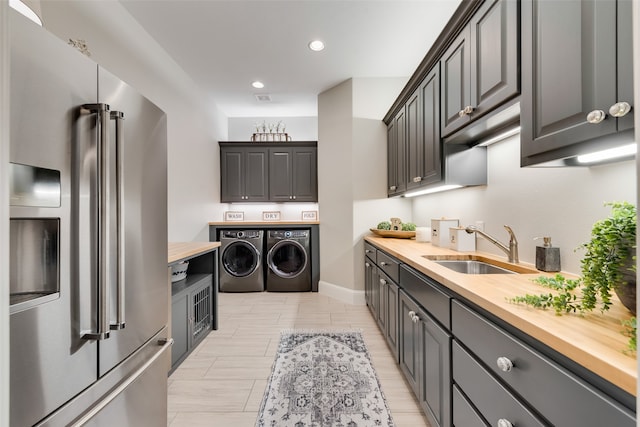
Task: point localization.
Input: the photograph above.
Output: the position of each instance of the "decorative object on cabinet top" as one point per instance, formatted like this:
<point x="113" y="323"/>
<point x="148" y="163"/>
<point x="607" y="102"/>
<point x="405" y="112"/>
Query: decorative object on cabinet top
<point x="276" y="132"/>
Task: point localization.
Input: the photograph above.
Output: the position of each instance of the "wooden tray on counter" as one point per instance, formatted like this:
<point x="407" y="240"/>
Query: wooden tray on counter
<point x="394" y="234"/>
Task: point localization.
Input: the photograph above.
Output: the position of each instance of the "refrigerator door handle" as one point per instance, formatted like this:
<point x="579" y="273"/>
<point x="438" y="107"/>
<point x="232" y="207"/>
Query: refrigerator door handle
<point x="102" y="196"/>
<point x="118" y="117"/>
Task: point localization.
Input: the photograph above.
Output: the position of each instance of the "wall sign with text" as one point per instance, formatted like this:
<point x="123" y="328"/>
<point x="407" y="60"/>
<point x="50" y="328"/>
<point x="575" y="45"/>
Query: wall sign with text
<point x="271" y="216"/>
<point x="309" y="215"/>
<point x="234" y="216"/>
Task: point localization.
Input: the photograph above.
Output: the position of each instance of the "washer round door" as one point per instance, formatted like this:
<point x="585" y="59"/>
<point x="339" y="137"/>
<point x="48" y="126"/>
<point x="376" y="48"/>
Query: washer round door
<point x="240" y="258"/>
<point x="287" y="259"/>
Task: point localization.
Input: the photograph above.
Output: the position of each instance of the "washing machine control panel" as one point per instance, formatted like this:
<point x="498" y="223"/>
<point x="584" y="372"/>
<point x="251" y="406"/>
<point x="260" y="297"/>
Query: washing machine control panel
<point x="288" y="234"/>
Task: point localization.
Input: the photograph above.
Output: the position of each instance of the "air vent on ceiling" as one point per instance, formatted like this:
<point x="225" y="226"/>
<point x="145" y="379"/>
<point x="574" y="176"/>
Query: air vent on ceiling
<point x="263" y="97"/>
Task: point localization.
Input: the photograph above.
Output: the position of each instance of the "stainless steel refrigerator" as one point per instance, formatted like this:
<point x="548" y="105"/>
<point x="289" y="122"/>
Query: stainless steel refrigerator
<point x="88" y="253"/>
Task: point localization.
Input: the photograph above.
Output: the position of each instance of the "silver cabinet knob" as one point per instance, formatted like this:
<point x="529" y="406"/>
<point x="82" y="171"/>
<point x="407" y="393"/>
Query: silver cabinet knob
<point x="466" y="111"/>
<point x="366" y="264"/>
<point x="383" y="282"/>
<point x="393" y="188"/>
<point x="596" y="116"/>
<point x="294" y="197"/>
<point x="417" y="178"/>
<point x="368" y="251"/>
<point x="502" y="422"/>
<point x="382" y="263"/>
<point x="504" y="364"/>
<point x="412" y="314"/>
<point x="620" y="109"/>
<point x="415" y="318"/>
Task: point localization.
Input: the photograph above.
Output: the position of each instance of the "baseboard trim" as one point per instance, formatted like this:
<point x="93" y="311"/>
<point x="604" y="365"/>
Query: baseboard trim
<point x="349" y="296"/>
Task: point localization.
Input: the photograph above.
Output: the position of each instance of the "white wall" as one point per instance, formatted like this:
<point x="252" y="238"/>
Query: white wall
<point x="298" y="128"/>
<point x="352" y="178"/>
<point x="194" y="124"/>
<point x="559" y="202"/>
<point x="4" y="214"/>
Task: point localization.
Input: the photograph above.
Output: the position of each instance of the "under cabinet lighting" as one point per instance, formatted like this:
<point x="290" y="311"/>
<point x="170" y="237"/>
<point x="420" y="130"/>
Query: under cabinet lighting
<point x="500" y="137"/>
<point x="613" y="153"/>
<point x="433" y="190"/>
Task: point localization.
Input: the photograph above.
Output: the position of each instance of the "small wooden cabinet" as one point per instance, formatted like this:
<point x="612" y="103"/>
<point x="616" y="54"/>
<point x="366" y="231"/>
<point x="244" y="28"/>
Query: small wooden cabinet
<point x="194" y="300"/>
<point x="576" y="66"/>
<point x="268" y="172"/>
<point x="293" y="175"/>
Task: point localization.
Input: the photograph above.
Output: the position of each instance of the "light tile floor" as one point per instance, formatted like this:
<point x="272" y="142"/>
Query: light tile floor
<point x="222" y="382"/>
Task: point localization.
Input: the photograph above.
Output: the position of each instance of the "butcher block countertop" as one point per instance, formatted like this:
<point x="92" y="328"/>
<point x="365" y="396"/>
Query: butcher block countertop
<point x="593" y="340"/>
<point x="179" y="251"/>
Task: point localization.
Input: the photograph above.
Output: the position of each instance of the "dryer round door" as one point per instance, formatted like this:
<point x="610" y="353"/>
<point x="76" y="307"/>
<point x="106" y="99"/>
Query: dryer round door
<point x="240" y="258"/>
<point x="287" y="259"/>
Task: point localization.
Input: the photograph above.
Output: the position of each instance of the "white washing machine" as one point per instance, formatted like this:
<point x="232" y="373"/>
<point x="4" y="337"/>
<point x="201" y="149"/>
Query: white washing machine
<point x="288" y="260"/>
<point x="241" y="261"/>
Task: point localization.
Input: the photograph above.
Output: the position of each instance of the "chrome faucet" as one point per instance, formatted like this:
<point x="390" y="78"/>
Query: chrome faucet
<point x="511" y="250"/>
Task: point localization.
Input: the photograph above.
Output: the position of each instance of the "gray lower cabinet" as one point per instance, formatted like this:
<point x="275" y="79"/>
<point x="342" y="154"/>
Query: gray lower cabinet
<point x="467" y="370"/>
<point x="191" y="314"/>
<point x="425" y="349"/>
<point x="491" y="367"/>
<point x="293" y="173"/>
<point x="582" y="50"/>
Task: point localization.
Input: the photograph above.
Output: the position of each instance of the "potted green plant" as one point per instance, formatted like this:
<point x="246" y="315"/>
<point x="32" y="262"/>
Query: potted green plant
<point x="609" y="260"/>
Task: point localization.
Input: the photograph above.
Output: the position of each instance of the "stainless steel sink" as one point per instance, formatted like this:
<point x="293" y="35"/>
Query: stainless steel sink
<point x="473" y="267"/>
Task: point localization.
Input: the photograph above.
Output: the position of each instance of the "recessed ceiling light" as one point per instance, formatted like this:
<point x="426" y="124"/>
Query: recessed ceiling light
<point x="316" y="45"/>
<point x="257" y="84"/>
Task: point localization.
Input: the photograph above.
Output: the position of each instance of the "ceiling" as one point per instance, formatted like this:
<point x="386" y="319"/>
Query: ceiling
<point x="224" y="45"/>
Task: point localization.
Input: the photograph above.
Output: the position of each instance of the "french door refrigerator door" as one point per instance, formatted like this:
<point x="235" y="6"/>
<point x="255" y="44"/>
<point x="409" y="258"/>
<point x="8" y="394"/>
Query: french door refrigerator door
<point x="50" y="361"/>
<point x="138" y="197"/>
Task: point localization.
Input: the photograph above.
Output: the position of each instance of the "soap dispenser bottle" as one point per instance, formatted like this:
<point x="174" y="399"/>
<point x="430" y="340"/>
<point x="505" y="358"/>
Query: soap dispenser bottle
<point x="547" y="257"/>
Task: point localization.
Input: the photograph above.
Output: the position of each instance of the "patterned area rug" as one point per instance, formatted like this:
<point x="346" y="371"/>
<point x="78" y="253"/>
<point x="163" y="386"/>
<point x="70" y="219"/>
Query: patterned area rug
<point x="323" y="379"/>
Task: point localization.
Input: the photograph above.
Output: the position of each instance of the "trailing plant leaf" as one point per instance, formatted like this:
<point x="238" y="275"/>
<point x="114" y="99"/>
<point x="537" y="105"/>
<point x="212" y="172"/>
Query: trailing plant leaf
<point x="563" y="301"/>
<point x="630" y="330"/>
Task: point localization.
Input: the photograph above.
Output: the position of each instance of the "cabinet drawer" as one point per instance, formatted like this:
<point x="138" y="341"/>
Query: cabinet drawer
<point x="388" y="264"/>
<point x="370" y="251"/>
<point x="560" y="396"/>
<point x="464" y="414"/>
<point x="491" y="399"/>
<point x="428" y="294"/>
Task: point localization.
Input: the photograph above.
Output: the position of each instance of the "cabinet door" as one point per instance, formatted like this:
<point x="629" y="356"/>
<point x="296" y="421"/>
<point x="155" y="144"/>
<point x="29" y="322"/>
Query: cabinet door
<point x="625" y="61"/>
<point x="414" y="141"/>
<point x="280" y="174"/>
<point x="435" y="371"/>
<point x="409" y="341"/>
<point x="568" y="70"/>
<point x="396" y="154"/>
<point x="381" y="314"/>
<point x="456" y="71"/>
<point x="368" y="283"/>
<point x="179" y="328"/>
<point x="231" y="175"/>
<point x="256" y="176"/>
<point x="430" y="154"/>
<point x="494" y="55"/>
<point x="305" y="176"/>
<point x="391" y="332"/>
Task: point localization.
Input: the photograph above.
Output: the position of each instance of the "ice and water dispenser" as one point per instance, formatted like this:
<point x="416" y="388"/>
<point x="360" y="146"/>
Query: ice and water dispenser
<point x="34" y="236"/>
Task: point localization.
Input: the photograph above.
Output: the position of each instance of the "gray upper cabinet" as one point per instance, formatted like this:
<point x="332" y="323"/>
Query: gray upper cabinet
<point x="576" y="69"/>
<point x="424" y="162"/>
<point x="396" y="155"/>
<point x="259" y="172"/>
<point x="293" y="174"/>
<point x="243" y="173"/>
<point x="480" y="67"/>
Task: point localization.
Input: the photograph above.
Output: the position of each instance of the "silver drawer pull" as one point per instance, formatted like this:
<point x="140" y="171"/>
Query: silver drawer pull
<point x="505" y="365"/>
<point x="502" y="422"/>
<point x="620" y="109"/>
<point x="596" y="116"/>
<point x="382" y="263"/>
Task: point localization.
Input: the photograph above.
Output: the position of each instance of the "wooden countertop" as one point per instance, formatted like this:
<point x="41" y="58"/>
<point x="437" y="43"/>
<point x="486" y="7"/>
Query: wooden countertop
<point x="593" y="340"/>
<point x="264" y="223"/>
<point x="179" y="251"/>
